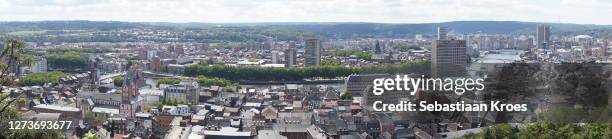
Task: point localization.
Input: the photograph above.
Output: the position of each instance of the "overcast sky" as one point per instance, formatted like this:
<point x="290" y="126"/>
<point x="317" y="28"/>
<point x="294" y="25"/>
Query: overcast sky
<point x="384" y="11"/>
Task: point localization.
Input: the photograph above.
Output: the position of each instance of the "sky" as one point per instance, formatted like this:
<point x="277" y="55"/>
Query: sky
<point x="249" y="11"/>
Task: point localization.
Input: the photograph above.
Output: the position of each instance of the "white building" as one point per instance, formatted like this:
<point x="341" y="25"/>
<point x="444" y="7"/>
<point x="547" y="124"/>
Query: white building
<point x="39" y="66"/>
<point x="182" y="110"/>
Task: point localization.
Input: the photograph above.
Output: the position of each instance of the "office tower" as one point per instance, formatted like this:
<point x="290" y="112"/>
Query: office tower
<point x="378" y="48"/>
<point x="276" y="59"/>
<point x="543" y="36"/>
<point x="312" y="52"/>
<point x="448" y="58"/>
<point x="268" y="43"/>
<point x="603" y="51"/>
<point x="442" y="31"/>
<point x="290" y="56"/>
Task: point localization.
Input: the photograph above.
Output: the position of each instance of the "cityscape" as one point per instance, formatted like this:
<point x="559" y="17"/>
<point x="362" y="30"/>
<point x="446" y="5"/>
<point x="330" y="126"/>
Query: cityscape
<point x="92" y="79"/>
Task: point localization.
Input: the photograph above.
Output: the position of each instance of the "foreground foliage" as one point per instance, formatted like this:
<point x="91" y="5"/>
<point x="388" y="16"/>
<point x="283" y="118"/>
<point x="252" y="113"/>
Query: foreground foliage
<point x="545" y="130"/>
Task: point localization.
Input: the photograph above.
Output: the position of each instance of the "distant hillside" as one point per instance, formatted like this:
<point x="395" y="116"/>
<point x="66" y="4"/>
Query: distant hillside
<point x="341" y="30"/>
<point x="67" y="25"/>
<point x="496" y="27"/>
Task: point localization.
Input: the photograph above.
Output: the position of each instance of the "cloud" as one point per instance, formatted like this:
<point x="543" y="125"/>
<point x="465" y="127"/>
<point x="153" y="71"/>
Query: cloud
<point x="392" y="11"/>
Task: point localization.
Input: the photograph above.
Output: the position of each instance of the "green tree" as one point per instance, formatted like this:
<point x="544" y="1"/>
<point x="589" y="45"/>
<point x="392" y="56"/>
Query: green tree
<point x="68" y="60"/>
<point x="206" y="81"/>
<point x="170" y="81"/>
<point x="363" y="55"/>
<point x="41" y="78"/>
<point x="329" y="63"/>
<point x="160" y="106"/>
<point x="90" y="135"/>
<point x="21" y="102"/>
<point x="347" y="96"/>
<point x="118" y="81"/>
<point x="10" y="114"/>
<point x="12" y="55"/>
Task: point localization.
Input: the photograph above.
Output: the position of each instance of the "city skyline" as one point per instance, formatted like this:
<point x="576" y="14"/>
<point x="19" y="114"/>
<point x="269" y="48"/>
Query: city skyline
<point x="241" y="11"/>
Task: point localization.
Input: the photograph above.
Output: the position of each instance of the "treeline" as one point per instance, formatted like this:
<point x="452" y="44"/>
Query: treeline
<point x="80" y="50"/>
<point x="240" y="34"/>
<point x="404" y="47"/>
<point x="347" y="53"/>
<point x="41" y="78"/>
<point x="213" y="81"/>
<point x="68" y="60"/>
<point x="201" y="80"/>
<point x="254" y="73"/>
<point x="93" y="36"/>
<point x="170" y="81"/>
<point x="544" y="130"/>
<point x="200" y="34"/>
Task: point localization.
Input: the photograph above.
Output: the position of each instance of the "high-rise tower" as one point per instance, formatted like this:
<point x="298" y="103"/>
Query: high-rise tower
<point x="442" y="32"/>
<point x="543" y="36"/>
<point x="290" y="56"/>
<point x="312" y="52"/>
<point x="448" y="58"/>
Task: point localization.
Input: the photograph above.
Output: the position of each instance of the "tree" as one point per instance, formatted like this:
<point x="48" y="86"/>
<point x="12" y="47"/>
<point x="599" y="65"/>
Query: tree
<point x="41" y="78"/>
<point x="160" y="106"/>
<point x="148" y="107"/>
<point x="207" y="81"/>
<point x="118" y="81"/>
<point x="547" y="130"/>
<point x="21" y="102"/>
<point x="68" y="60"/>
<point x="90" y="135"/>
<point x="172" y="102"/>
<point x="499" y="131"/>
<point x="363" y="55"/>
<point x="346" y="53"/>
<point x="169" y="81"/>
<point x="254" y="73"/>
<point x="347" y="96"/>
<point x="11" y="56"/>
<point x="330" y="63"/>
<point x="11" y="114"/>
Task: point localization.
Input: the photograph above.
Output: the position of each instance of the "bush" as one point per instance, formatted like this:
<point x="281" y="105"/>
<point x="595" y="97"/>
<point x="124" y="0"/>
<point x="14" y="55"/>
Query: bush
<point x="118" y="81"/>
